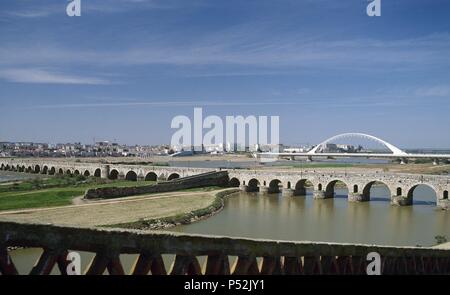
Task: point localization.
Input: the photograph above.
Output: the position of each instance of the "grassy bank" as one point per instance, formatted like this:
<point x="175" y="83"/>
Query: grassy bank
<point x="183" y="218"/>
<point x="60" y="191"/>
<point x="53" y="191"/>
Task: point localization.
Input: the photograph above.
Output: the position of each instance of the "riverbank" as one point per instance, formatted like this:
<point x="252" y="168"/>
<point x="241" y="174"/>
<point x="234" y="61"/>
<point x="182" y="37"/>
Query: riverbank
<point x="181" y="219"/>
<point x="113" y="212"/>
<point x="53" y="191"/>
<point x="11" y="177"/>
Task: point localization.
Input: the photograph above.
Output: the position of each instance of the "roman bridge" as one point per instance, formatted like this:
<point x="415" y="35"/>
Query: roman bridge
<point x="289" y="182"/>
<point x="323" y="183"/>
<point x="107" y="171"/>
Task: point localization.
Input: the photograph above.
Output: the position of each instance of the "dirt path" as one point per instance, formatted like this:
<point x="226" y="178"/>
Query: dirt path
<point x="105" y="212"/>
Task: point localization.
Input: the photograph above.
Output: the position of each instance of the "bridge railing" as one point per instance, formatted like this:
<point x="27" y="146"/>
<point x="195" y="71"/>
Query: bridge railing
<point x="224" y="255"/>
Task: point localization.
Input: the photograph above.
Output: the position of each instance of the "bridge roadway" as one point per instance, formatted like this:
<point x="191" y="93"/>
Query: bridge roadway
<point x="289" y="182"/>
<point x="403" y="157"/>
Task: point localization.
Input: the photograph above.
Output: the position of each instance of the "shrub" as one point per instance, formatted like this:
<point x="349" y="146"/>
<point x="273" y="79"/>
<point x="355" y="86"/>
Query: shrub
<point x="440" y="239"/>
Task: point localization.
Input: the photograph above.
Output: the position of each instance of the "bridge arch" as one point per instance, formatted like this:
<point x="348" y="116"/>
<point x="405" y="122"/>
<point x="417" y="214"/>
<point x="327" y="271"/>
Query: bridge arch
<point x="87" y="173"/>
<point x="76" y="172"/>
<point x="330" y="188"/>
<point x="45" y="169"/>
<point x="3" y="167"/>
<point x="173" y="176"/>
<point x="429" y="187"/>
<point x="131" y="175"/>
<point x="445" y="195"/>
<point x="301" y="187"/>
<point x="395" y="150"/>
<point x="98" y="172"/>
<point x="151" y="176"/>
<point x="253" y="185"/>
<point x="69" y="172"/>
<point x="274" y="186"/>
<point x="37" y="169"/>
<point x="368" y="188"/>
<point x="234" y="182"/>
<point x="52" y="171"/>
<point x="60" y="171"/>
<point x="113" y="174"/>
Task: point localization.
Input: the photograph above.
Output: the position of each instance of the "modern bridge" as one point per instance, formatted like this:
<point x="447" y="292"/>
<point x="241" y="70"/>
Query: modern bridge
<point x="394" y="152"/>
<point x="290" y="182"/>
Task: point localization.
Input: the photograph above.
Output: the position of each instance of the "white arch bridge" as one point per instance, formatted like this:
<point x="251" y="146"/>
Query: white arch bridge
<point x="393" y="151"/>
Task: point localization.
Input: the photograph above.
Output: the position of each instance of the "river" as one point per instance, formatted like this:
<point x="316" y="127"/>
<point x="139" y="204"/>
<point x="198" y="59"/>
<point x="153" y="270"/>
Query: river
<point x="301" y="218"/>
<point x="10" y="176"/>
<point x="331" y="220"/>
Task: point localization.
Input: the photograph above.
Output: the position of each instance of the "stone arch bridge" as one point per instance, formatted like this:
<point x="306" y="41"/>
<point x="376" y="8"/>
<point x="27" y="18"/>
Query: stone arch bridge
<point x="110" y="171"/>
<point x="290" y="183"/>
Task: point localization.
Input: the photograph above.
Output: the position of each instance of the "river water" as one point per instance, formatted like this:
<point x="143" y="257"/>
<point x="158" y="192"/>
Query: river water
<point x="331" y="220"/>
<point x="8" y="176"/>
<point x="301" y="218"/>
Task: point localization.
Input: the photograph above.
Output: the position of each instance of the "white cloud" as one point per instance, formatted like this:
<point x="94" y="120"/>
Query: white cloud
<point x="249" y="47"/>
<point x="436" y="91"/>
<point x="29" y="13"/>
<point x="41" y="76"/>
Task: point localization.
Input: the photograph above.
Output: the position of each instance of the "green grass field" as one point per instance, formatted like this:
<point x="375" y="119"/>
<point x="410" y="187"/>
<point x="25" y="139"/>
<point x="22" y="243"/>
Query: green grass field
<point x="60" y="190"/>
<point x="53" y="191"/>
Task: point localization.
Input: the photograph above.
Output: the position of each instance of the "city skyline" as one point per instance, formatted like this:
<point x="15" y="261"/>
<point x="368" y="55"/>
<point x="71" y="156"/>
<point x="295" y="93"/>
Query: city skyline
<point x="125" y="68"/>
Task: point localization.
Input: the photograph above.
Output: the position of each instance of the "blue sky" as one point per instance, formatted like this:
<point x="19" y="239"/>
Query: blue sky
<point x="125" y="68"/>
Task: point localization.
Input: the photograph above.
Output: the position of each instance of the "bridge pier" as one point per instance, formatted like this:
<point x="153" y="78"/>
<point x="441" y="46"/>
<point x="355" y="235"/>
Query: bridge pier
<point x="443" y="204"/>
<point x="104" y="172"/>
<point x="321" y="195"/>
<point x="401" y="201"/>
<point x="243" y="187"/>
<point x="287" y="192"/>
<point x="263" y="189"/>
<point x="357" y="197"/>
